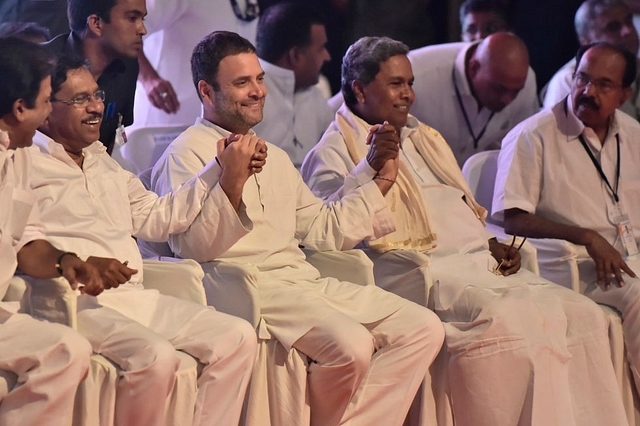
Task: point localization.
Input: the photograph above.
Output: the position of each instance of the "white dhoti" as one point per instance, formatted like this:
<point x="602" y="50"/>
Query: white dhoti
<point x="523" y="351"/>
<point x="50" y="361"/>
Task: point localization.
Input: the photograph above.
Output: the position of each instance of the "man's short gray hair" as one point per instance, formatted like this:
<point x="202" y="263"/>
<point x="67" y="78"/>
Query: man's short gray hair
<point x="362" y="62"/>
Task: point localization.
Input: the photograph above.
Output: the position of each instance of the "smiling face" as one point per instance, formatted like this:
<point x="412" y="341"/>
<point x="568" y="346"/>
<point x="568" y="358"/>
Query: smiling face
<point x="72" y="127"/>
<point x="238" y="102"/>
<point x="123" y="33"/>
<point x="389" y="96"/>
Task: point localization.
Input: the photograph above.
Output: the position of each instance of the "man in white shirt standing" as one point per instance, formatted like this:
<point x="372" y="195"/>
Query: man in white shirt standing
<point x="291" y="45"/>
<point x="87" y="201"/>
<point x="522" y="350"/>
<point x="571" y="173"/>
<point x="598" y="20"/>
<point x="370" y="349"/>
<point x="49" y="360"/>
<point x="473" y="94"/>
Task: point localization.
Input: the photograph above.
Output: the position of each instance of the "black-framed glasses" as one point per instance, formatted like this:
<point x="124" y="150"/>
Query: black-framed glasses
<point x="602" y="85"/>
<point x="82" y="100"/>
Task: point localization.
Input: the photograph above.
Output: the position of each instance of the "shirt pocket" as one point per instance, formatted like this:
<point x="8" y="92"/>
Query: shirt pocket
<point x="21" y="203"/>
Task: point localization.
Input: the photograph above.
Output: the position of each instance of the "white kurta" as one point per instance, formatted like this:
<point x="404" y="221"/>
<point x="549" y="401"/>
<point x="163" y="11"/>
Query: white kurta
<point x="301" y="309"/>
<point x="96" y="211"/>
<point x="436" y="104"/>
<point x="560" y="86"/>
<point x="174" y="28"/>
<point x="49" y="360"/>
<point x="521" y="347"/>
<point x="293" y="121"/>
<point x="544" y="169"/>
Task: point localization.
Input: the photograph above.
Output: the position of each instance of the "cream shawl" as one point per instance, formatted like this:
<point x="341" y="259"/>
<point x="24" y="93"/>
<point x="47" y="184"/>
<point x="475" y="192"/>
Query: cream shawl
<point x="405" y="198"/>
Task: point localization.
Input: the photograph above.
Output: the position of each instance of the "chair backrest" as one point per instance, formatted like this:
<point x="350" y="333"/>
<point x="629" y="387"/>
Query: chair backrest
<point x="145" y="146"/>
<point x="480" y="172"/>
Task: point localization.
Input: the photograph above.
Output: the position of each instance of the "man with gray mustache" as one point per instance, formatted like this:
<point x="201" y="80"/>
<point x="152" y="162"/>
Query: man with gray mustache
<point x="571" y="173"/>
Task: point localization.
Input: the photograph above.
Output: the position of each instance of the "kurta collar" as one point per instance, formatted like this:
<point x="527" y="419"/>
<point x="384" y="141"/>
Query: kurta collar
<point x="363" y="126"/>
<point x="4" y="139"/>
<point x="56" y="150"/>
<point x="282" y="78"/>
<point x="224" y="132"/>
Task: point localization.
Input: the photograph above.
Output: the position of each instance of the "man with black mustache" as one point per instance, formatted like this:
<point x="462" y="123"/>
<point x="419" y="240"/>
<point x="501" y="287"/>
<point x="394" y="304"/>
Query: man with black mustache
<point x="571" y="173"/>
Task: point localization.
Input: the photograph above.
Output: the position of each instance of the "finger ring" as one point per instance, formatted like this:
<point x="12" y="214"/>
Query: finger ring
<point x="164" y="94"/>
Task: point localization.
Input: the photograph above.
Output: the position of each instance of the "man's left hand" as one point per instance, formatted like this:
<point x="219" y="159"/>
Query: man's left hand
<point x="508" y="256"/>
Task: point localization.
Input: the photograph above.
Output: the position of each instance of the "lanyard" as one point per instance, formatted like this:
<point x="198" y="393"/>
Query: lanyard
<point x="599" y="167"/>
<point x="464" y="113"/>
<point x="595" y="162"/>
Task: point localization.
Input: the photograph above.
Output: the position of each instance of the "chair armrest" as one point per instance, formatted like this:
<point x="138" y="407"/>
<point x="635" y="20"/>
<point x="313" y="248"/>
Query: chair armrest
<point x="15" y="291"/>
<point x="528" y="253"/>
<point x="349" y="265"/>
<point x="233" y="289"/>
<point x="558" y="261"/>
<point x="50" y="300"/>
<point x="181" y="278"/>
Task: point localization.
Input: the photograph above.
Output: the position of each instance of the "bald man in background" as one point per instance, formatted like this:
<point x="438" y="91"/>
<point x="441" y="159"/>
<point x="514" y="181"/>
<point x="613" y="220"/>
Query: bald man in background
<point x="473" y="94"/>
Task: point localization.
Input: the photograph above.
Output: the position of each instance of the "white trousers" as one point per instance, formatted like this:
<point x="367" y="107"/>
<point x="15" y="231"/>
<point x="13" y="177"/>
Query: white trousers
<point x="523" y="351"/>
<point x="625" y="299"/>
<point x="520" y="350"/>
<point x="145" y="351"/>
<point x="368" y="374"/>
<point x="49" y="360"/>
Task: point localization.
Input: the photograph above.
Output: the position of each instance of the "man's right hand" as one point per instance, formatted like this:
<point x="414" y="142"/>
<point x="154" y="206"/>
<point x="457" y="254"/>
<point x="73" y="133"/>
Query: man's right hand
<point x="608" y="261"/>
<point x="112" y="271"/>
<point x="384" y="144"/>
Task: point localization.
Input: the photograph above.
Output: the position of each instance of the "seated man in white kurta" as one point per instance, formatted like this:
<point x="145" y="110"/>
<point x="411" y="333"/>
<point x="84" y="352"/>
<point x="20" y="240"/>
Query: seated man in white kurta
<point x="89" y="203"/>
<point x="521" y="349"/>
<point x="370" y="349"/>
<point x="291" y="44"/>
<point x="48" y="360"/>
<point x="572" y="173"/>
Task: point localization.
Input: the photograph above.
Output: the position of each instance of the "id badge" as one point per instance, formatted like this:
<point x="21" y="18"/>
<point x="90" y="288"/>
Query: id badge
<point x="625" y="231"/>
<point x="121" y="135"/>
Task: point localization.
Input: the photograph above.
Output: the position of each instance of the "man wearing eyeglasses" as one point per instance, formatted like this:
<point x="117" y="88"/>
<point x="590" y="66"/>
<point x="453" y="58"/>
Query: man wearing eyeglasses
<point x="598" y="20"/>
<point x="88" y="202"/>
<point x="572" y="173"/>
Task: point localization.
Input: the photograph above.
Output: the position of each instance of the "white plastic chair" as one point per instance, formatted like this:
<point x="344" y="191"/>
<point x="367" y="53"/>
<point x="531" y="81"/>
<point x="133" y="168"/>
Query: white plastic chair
<point x="480" y="172"/>
<point x="145" y="145"/>
<point x="557" y="261"/>
<point x="54" y="301"/>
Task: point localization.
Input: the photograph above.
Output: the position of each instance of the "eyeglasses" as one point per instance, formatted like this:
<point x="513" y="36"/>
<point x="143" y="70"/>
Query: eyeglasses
<point x="601" y="85"/>
<point x="83" y="100"/>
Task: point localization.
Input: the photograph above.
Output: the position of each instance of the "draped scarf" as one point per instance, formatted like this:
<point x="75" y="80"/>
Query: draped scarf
<point x="405" y="198"/>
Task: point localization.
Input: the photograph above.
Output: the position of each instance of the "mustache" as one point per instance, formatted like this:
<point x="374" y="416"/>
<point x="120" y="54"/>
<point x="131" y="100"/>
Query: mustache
<point x="93" y="116"/>
<point x="588" y="102"/>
